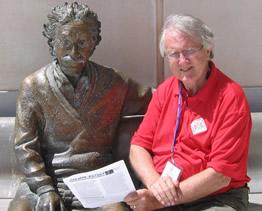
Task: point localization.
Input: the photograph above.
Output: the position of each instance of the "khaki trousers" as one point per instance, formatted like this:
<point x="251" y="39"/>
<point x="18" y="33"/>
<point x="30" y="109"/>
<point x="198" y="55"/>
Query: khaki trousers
<point x="235" y="199"/>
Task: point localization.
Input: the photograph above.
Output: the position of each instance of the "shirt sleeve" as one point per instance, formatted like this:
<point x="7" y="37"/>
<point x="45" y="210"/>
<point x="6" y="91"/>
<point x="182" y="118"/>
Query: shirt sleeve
<point x="145" y="134"/>
<point x="229" y="152"/>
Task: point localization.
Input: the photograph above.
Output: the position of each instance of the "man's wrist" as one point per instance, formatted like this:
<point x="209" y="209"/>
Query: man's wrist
<point x="156" y="204"/>
<point x="44" y="189"/>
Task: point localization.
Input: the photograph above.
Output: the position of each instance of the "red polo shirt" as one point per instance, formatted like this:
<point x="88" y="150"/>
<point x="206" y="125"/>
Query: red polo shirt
<point x="214" y="128"/>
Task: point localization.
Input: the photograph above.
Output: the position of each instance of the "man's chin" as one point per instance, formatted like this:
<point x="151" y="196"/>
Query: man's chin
<point x="72" y="70"/>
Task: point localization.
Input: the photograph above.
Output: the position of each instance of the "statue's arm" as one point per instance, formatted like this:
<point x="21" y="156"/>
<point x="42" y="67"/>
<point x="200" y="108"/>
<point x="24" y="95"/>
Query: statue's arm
<point x="137" y="98"/>
<point x="28" y="126"/>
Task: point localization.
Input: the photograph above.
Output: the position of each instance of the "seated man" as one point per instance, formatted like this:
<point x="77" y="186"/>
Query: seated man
<point x="198" y="123"/>
<point x="68" y="113"/>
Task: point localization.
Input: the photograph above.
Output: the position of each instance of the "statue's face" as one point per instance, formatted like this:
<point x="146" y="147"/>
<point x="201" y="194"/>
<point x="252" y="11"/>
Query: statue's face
<point x="73" y="47"/>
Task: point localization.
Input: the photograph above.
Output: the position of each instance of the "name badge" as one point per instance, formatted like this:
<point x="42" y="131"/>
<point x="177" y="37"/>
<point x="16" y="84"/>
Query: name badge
<point x="172" y="171"/>
<point x="198" y="126"/>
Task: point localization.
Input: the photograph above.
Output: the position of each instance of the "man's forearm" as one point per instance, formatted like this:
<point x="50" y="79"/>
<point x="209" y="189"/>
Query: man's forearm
<point x="193" y="188"/>
<point x="201" y="185"/>
<point x="142" y="163"/>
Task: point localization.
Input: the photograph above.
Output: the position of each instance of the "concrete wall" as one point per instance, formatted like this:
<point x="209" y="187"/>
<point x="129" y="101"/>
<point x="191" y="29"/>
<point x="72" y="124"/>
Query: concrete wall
<point x="130" y="32"/>
<point x="237" y="28"/>
<point x="128" y="38"/>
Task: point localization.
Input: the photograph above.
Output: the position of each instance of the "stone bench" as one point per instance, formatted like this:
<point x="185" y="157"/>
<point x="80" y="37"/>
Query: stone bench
<point x="10" y="176"/>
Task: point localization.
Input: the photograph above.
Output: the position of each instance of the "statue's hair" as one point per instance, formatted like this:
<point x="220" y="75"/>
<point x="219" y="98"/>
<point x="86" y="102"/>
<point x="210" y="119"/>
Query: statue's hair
<point x="191" y="26"/>
<point x="61" y="15"/>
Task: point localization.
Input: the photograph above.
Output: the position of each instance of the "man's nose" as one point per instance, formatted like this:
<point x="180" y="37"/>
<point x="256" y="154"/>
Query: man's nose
<point x="74" y="52"/>
<point x="182" y="59"/>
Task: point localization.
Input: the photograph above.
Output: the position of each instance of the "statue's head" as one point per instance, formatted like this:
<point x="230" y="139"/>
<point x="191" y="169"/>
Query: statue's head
<point x="73" y="32"/>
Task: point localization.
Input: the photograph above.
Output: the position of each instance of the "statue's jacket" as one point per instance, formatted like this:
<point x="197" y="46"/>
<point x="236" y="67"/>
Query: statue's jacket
<point x="54" y="140"/>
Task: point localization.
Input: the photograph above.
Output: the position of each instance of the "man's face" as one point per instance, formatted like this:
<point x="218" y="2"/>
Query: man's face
<point x="191" y="70"/>
<point x="73" y="47"/>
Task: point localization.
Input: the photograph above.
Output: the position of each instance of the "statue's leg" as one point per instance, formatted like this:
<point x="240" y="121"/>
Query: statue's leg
<point x="20" y="205"/>
<point x="115" y="207"/>
<point x="24" y="199"/>
<point x="109" y="207"/>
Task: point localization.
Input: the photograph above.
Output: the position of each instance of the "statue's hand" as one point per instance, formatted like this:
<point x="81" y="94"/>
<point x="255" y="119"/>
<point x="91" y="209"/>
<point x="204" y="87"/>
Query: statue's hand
<point x="50" y="201"/>
<point x="76" y="202"/>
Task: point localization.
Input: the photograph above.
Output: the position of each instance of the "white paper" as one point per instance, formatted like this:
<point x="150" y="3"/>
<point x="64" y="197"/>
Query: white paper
<point x="106" y="185"/>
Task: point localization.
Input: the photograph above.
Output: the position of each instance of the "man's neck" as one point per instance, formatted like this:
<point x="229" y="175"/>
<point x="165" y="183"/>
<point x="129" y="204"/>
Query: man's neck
<point x="193" y="90"/>
<point x="73" y="79"/>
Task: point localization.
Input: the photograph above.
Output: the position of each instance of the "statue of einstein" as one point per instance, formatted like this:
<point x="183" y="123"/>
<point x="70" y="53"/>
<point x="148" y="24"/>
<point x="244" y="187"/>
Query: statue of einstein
<point x="68" y="113"/>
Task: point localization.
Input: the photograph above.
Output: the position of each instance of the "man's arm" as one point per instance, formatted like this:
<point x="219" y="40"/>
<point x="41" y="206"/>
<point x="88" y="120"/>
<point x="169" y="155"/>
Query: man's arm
<point x="169" y="192"/>
<point x="141" y="161"/>
<point x="29" y="121"/>
<point x="195" y="187"/>
<point x="137" y="98"/>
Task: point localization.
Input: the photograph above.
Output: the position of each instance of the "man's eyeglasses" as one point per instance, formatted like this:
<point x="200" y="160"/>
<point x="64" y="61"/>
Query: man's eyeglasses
<point x="67" y="43"/>
<point x="188" y="53"/>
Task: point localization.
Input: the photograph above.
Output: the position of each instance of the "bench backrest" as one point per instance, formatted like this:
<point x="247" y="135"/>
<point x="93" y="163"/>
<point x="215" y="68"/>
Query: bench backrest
<point x="255" y="154"/>
<point x="9" y="176"/>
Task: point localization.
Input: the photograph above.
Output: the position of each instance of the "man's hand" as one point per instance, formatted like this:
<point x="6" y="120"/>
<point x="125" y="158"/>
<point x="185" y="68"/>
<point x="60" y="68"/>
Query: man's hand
<point x="166" y="190"/>
<point x="50" y="201"/>
<point x="142" y="200"/>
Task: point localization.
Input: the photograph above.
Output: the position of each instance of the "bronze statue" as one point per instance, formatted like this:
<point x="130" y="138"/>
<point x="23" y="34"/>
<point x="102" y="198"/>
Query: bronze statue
<point x="68" y="112"/>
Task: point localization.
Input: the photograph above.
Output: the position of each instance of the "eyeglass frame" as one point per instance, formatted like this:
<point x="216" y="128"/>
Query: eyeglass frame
<point x="176" y="55"/>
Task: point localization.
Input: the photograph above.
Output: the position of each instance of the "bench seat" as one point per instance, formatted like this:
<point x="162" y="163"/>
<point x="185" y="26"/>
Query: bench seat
<point x="10" y="175"/>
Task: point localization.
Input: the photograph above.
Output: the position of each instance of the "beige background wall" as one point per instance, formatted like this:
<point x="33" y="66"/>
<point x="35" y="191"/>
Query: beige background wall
<point x="237" y="28"/>
<point x="129" y="36"/>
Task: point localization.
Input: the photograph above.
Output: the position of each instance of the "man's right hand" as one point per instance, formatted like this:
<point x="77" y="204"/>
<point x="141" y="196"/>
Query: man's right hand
<point x="166" y="190"/>
<point x="50" y="201"/>
<point x="142" y="200"/>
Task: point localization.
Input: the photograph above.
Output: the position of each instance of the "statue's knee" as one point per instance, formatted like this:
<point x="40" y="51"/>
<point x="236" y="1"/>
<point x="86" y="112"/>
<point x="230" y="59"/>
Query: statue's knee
<point x="114" y="207"/>
<point x="20" y="205"/>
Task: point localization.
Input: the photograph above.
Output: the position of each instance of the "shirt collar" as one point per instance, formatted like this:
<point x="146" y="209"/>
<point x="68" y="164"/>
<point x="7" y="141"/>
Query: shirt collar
<point x="74" y="96"/>
<point x="206" y="90"/>
<point x="60" y="77"/>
